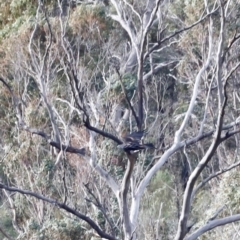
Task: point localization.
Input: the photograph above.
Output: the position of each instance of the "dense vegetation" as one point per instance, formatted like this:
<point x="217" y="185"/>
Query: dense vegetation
<point x="76" y="76"/>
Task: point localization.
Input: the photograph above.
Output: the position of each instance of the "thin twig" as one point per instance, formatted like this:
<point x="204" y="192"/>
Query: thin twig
<point x="62" y="206"/>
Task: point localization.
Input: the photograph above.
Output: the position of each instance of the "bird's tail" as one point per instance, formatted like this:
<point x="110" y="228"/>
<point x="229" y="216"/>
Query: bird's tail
<point x="149" y="145"/>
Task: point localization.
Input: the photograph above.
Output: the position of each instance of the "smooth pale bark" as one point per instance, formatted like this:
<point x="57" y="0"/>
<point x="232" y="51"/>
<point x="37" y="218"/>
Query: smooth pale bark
<point x="222" y="100"/>
<point x="138" y="54"/>
<point x="213" y="224"/>
<point x="175" y="146"/>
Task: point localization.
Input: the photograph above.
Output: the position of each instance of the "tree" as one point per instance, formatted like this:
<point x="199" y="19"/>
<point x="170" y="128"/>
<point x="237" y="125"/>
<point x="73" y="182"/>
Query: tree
<point x="168" y="67"/>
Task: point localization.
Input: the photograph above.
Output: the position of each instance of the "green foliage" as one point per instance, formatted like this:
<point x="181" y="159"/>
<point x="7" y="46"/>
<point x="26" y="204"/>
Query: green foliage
<point x="65" y="229"/>
<point x="84" y="19"/>
<point x="34" y="225"/>
<point x="159" y="191"/>
<point x="32" y="87"/>
<point x="231" y="192"/>
<point x="160" y="181"/>
<point x="129" y="83"/>
<point x="3" y="176"/>
<point x="119" y="171"/>
<point x="13" y="14"/>
<point x="6" y="223"/>
<point x="21" y="7"/>
<point x="101" y="220"/>
<point x="92" y="38"/>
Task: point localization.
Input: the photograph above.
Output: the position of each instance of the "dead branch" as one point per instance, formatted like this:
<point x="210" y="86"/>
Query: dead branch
<point x="213" y="224"/>
<point x="62" y="206"/>
<point x="206" y="180"/>
<point x="127" y="99"/>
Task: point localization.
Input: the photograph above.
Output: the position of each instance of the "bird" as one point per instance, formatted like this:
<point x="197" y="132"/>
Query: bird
<point x="133" y="142"/>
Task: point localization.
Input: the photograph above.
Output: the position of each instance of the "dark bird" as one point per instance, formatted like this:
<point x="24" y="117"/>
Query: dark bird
<point x="133" y="142"/>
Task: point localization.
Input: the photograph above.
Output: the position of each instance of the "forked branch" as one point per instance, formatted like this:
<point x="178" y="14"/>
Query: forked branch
<point x="81" y="216"/>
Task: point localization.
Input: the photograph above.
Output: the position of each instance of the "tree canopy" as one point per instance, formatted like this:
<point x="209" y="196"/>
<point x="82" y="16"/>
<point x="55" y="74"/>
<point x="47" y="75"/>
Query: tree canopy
<point x="80" y="78"/>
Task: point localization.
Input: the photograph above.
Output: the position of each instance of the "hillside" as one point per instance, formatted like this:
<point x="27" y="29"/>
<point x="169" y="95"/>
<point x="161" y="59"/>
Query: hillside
<point x="119" y="119"/>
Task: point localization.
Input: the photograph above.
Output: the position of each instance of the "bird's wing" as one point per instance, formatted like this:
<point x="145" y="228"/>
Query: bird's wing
<point x="132" y="146"/>
<point x="134" y="136"/>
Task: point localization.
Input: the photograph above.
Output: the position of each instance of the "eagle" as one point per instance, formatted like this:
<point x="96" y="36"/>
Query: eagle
<point x="133" y="142"/>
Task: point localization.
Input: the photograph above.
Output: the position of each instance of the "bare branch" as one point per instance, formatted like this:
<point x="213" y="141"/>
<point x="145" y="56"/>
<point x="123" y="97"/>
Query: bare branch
<point x="219" y="61"/>
<point x="62" y="206"/>
<point x="182" y="227"/>
<point x="101" y="132"/>
<point x="98" y="204"/>
<point x="134" y="11"/>
<point x="196" y="86"/>
<point x="219" y="210"/>
<point x="119" y="18"/>
<point x="13" y="209"/>
<point x="5" y="234"/>
<point x="213" y="224"/>
<point x="127" y="99"/>
<point x="22" y="124"/>
<point x="39" y="70"/>
<point x="104" y="174"/>
<point x="149" y="19"/>
<point x="162" y="159"/>
<point x="34" y="61"/>
<point x="232" y="71"/>
<point x="147" y="22"/>
<point x="16" y="101"/>
<point x="156" y="69"/>
<point x="206" y="180"/>
<point x="155" y="46"/>
<point x="143" y="184"/>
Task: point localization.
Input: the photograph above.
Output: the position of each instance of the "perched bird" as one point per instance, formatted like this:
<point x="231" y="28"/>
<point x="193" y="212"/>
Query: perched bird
<point x="133" y="142"/>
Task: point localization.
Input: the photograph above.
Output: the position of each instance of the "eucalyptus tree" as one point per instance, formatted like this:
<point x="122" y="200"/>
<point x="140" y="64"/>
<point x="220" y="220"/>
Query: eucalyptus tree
<point x="133" y="66"/>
